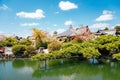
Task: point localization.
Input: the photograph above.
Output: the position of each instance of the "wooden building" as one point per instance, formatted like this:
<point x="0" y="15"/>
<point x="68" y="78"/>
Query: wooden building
<point x="83" y="32"/>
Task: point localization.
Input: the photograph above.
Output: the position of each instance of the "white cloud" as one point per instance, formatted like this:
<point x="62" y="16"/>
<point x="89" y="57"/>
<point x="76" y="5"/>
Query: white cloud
<point x="99" y="26"/>
<point x="60" y="30"/>
<point x="67" y="23"/>
<point x="55" y="25"/>
<point x="4" y="7"/>
<point x="29" y="24"/>
<point x="106" y="15"/>
<point x="38" y="14"/>
<point x="66" y="5"/>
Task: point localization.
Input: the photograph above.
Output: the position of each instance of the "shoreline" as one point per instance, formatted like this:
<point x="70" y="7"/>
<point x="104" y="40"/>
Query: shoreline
<point x="15" y="58"/>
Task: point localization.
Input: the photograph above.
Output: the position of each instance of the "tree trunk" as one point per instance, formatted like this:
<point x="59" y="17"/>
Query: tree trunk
<point x="93" y="61"/>
<point x="46" y="64"/>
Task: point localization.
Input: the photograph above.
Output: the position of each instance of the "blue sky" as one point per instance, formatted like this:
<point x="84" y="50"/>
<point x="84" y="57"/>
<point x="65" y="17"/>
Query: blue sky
<point x="19" y="16"/>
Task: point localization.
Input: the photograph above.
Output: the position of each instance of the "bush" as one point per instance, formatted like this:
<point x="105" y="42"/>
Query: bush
<point x="37" y="45"/>
<point x="44" y="44"/>
<point x="29" y="51"/>
<point x="39" y="57"/>
<point x="90" y="52"/>
<point x="25" y="42"/>
<point x="23" y="50"/>
<point x="66" y="45"/>
<point x="11" y="41"/>
<point x="54" y="46"/>
<point x="18" y="50"/>
<point x="2" y="44"/>
<point x="116" y="56"/>
<point x="77" y="40"/>
<point x="107" y="44"/>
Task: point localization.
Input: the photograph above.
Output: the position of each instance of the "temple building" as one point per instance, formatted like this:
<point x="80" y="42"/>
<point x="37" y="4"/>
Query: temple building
<point x="83" y="32"/>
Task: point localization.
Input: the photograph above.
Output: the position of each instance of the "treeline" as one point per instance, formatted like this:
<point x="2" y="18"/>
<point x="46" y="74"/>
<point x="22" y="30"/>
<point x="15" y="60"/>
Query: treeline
<point x="10" y="41"/>
<point x="106" y="47"/>
<point x="20" y="48"/>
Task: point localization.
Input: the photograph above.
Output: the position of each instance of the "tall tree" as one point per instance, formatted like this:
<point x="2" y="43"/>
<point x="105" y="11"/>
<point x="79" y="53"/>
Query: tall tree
<point x="55" y="33"/>
<point x="107" y="45"/>
<point x="11" y="41"/>
<point x="39" y="35"/>
<point x="25" y="42"/>
<point x="106" y="28"/>
<point x="117" y="28"/>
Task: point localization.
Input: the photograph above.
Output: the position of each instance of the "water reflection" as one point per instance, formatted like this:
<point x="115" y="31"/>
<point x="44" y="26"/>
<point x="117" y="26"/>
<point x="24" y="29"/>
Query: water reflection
<point x="18" y="64"/>
<point x="67" y="69"/>
<point x="79" y="71"/>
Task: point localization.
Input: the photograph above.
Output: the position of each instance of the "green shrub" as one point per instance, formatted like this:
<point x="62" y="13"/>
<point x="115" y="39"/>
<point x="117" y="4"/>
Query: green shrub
<point x="25" y="42"/>
<point x="23" y="50"/>
<point x="11" y="41"/>
<point x="54" y="46"/>
<point x="66" y="45"/>
<point x="39" y="57"/>
<point x="44" y="44"/>
<point x="18" y="50"/>
<point x="116" y="56"/>
<point x="29" y="51"/>
<point x="90" y="52"/>
<point x="75" y="49"/>
<point x="2" y="44"/>
<point x="37" y="45"/>
<point x="77" y="40"/>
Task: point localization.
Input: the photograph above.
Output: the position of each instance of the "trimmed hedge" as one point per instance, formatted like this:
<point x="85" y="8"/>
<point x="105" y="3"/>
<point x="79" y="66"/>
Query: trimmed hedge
<point x="54" y="46"/>
<point x="18" y="50"/>
<point x="23" y="50"/>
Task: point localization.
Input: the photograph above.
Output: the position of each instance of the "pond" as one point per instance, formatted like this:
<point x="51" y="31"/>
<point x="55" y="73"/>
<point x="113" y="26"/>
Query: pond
<point x="58" y="70"/>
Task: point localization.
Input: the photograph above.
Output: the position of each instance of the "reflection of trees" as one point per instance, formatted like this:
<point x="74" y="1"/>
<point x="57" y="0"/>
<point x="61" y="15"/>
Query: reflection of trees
<point x="32" y="63"/>
<point x="18" y="64"/>
<point x="111" y="72"/>
<point x="105" y="71"/>
<point x="3" y="62"/>
<point x="66" y="69"/>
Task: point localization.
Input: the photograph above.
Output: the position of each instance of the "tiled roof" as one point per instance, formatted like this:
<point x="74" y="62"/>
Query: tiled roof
<point x="69" y="32"/>
<point x="80" y="30"/>
<point x="111" y="31"/>
<point x="73" y="31"/>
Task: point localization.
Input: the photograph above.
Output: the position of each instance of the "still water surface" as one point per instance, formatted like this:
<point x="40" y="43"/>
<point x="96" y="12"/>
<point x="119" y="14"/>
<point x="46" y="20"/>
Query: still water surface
<point x="58" y="70"/>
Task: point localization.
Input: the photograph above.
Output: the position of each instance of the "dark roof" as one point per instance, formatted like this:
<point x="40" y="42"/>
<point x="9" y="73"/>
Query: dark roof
<point x="69" y="32"/>
<point x="73" y="31"/>
<point x="111" y="31"/>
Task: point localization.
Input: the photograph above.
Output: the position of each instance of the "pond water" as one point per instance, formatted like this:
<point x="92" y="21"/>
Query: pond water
<point x="58" y="70"/>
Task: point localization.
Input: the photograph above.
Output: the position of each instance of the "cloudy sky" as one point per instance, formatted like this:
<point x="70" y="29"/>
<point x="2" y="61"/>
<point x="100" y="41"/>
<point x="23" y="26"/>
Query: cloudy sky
<point x="19" y="16"/>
